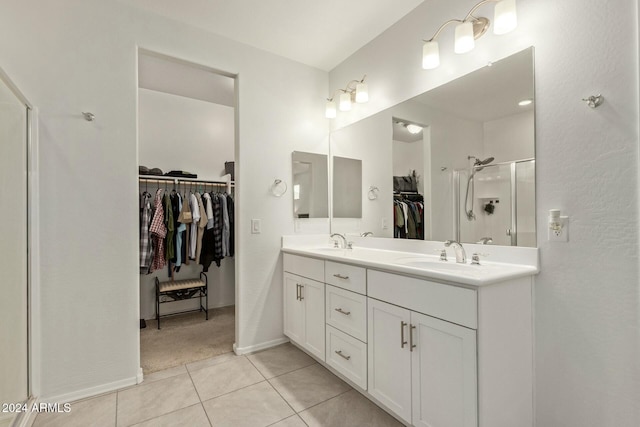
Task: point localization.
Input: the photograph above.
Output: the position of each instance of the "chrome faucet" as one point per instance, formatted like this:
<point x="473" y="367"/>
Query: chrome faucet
<point x="339" y="245"/>
<point x="366" y="233"/>
<point x="485" y="240"/>
<point x="461" y="256"/>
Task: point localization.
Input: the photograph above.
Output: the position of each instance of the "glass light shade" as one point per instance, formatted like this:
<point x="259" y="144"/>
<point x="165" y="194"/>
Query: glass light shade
<point x="330" y="111"/>
<point x="430" y="55"/>
<point x="362" y="93"/>
<point x="464" y="37"/>
<point x="345" y="101"/>
<point x="505" y="17"/>
<point x="414" y="129"/>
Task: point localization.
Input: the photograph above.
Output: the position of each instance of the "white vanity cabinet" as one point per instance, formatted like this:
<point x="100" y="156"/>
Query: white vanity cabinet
<point x="434" y="354"/>
<point x="304" y="303"/>
<point x="422" y="368"/>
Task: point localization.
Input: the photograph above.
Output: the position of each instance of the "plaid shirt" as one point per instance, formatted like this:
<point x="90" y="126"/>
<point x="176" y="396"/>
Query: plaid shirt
<point x="146" y="248"/>
<point x="158" y="232"/>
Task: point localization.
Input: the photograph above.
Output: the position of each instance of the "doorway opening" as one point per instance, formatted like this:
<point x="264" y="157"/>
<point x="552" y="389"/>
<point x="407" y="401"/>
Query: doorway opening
<point x="186" y="155"/>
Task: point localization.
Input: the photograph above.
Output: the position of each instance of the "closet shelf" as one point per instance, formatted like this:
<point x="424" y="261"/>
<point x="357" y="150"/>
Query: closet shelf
<point x="177" y="180"/>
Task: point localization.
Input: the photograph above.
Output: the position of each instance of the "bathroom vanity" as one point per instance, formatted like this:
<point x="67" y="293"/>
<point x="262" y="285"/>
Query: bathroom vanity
<point x="435" y="343"/>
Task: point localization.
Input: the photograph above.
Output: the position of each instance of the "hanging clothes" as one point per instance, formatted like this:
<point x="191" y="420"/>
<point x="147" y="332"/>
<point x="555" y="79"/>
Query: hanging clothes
<point x="217" y="227"/>
<point x="225" y="224"/>
<point x="202" y="224"/>
<point x="169" y="224"/>
<point x="146" y="246"/>
<point x="230" y="211"/>
<point x="195" y="214"/>
<point x="408" y="216"/>
<point x="180" y="228"/>
<point x="158" y="232"/>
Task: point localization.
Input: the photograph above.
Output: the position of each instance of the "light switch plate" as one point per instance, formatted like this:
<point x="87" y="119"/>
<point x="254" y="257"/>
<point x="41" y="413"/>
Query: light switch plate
<point x="255" y="226"/>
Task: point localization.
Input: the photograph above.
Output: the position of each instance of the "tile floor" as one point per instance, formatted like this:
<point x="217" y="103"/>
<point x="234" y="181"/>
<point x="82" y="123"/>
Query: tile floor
<point x="279" y="387"/>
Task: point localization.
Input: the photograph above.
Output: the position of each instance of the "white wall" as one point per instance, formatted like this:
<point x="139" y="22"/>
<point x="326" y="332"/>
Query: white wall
<point x="510" y="138"/>
<point x="586" y="296"/>
<point x="407" y="157"/>
<point x="75" y="56"/>
<point x="180" y="133"/>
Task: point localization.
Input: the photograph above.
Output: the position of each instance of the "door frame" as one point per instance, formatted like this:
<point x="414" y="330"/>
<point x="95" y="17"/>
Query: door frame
<point x="33" y="241"/>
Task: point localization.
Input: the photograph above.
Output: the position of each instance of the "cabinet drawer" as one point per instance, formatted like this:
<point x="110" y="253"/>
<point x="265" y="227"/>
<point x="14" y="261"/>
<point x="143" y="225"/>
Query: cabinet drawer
<point x="347" y="311"/>
<point x="446" y="302"/>
<point x="348" y="356"/>
<point x="345" y="276"/>
<point x="310" y="268"/>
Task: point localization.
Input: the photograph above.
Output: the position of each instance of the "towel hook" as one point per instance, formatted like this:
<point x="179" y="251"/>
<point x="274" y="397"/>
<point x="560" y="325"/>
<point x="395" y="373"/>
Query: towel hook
<point x="89" y="116"/>
<point x="594" y="101"/>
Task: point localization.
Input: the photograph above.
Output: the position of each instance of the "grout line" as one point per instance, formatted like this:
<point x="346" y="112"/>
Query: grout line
<point x="295" y="370"/>
<point x="320" y="403"/>
<point x="282" y="397"/>
<point x="233" y="391"/>
<point x="195" y="388"/>
<point x="206" y="414"/>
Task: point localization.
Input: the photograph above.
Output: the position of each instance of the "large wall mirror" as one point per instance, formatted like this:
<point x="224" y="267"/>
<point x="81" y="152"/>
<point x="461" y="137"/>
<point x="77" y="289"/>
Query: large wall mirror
<point x="460" y="157"/>
<point x="347" y="188"/>
<point x="310" y="185"/>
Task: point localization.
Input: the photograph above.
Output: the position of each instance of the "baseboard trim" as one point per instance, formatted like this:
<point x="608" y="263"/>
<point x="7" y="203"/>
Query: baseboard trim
<point x="25" y="419"/>
<point x="239" y="351"/>
<point x="140" y="376"/>
<point x="90" y="392"/>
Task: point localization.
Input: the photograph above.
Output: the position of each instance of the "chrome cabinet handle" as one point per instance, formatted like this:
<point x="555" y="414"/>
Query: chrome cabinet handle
<point x="339" y="310"/>
<point x="340" y="276"/>
<point x="339" y="353"/>
<point x="411" y="344"/>
<point x="301" y="288"/>
<point x="298" y="291"/>
<point x="402" y="341"/>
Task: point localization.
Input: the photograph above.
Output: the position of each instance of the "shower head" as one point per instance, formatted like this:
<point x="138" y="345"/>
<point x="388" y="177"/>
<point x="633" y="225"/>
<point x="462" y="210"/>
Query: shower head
<point x="484" y="162"/>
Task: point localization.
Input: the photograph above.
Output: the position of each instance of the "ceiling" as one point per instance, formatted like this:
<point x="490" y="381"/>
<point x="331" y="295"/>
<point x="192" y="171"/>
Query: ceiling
<point x="319" y="33"/>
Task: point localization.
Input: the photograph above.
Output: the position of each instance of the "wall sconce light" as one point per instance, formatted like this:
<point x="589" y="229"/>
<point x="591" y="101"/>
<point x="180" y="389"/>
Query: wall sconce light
<point x="471" y="28"/>
<point x="355" y="91"/>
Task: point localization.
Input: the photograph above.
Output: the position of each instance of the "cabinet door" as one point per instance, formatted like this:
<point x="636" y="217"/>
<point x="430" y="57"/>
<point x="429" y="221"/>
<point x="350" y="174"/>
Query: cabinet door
<point x="389" y="367"/>
<point x="293" y="308"/>
<point x="443" y="373"/>
<point x="312" y="294"/>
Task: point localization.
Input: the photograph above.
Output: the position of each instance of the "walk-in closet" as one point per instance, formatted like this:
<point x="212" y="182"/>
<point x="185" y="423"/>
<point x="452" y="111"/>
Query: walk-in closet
<point x="186" y="146"/>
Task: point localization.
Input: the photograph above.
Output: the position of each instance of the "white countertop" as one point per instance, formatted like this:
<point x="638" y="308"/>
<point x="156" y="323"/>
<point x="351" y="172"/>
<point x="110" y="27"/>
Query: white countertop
<point x="423" y="262"/>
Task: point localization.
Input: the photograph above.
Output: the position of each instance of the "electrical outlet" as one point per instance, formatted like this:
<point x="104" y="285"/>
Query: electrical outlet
<point x="561" y="235"/>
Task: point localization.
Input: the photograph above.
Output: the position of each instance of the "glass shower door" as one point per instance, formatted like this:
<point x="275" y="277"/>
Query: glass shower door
<point x="13" y="247"/>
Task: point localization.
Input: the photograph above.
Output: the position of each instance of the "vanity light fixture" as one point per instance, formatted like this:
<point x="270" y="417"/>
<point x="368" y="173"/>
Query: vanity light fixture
<point x="471" y="28"/>
<point x="355" y="91"/>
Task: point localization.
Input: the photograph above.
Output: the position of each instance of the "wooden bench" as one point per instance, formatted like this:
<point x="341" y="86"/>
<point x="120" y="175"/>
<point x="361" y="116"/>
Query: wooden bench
<point x="178" y="290"/>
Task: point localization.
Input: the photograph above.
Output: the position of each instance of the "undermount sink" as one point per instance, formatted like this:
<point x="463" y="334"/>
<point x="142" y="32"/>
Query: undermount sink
<point x="433" y="263"/>
<point x="328" y="249"/>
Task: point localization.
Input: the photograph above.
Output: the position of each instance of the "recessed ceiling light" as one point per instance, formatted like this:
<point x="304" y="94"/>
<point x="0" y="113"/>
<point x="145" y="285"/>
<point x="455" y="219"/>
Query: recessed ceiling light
<point x="525" y="102"/>
<point x="414" y="129"/>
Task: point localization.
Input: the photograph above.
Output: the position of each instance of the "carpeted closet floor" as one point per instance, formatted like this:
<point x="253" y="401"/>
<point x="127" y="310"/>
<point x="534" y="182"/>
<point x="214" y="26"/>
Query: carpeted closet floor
<point x="186" y="338"/>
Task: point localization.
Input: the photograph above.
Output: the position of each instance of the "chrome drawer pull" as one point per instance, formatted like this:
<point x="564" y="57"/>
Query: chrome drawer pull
<point x="340" y="276"/>
<point x="402" y="341"/>
<point x="339" y="310"/>
<point x="339" y="353"/>
<point x="411" y="345"/>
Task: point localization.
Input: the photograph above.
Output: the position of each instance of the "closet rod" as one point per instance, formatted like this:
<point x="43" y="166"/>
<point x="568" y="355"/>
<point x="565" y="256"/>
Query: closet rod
<point x="177" y="180"/>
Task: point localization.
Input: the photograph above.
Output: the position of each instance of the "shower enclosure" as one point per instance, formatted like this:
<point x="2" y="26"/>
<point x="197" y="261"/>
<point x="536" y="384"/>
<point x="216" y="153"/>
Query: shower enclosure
<point x="496" y="202"/>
